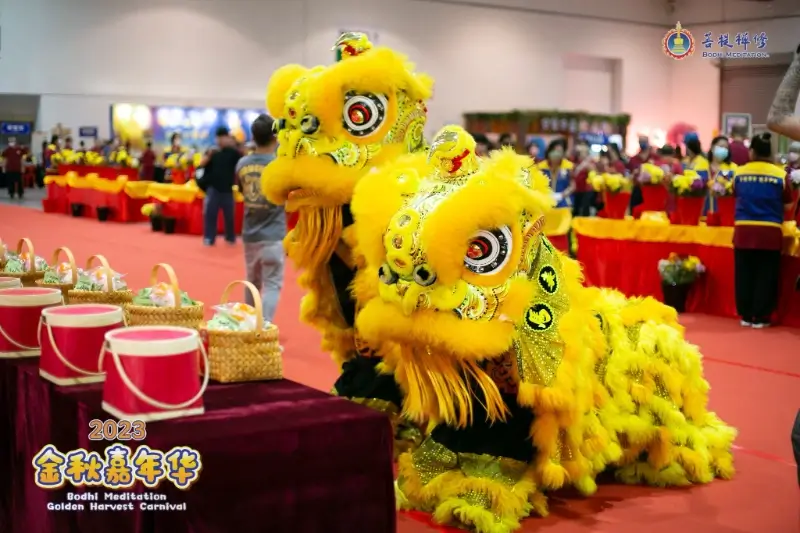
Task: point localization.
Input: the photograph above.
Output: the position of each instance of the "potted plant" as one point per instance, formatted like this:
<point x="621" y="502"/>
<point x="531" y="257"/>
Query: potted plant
<point x="690" y="190"/>
<point x="654" y="193"/>
<point x="153" y="212"/>
<point x="678" y="273"/>
<point x="616" y="191"/>
<point x="723" y="206"/>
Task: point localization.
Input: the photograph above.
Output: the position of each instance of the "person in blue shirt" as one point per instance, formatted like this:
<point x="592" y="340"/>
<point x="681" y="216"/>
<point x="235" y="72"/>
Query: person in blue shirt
<point x="762" y="196"/>
<point x="558" y="170"/>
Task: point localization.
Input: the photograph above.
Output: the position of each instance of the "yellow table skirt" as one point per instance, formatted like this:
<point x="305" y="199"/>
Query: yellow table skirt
<point x="638" y="230"/>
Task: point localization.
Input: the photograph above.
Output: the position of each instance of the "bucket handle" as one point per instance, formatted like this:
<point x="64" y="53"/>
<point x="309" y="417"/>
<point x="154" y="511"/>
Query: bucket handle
<point x="141" y="396"/>
<point x="38" y="335"/>
<point x="73" y="267"/>
<point x="15" y="343"/>
<point x="66" y="362"/>
<point x="29" y="245"/>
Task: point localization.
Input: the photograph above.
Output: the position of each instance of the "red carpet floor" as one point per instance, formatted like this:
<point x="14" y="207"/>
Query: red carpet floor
<point x="755" y="377"/>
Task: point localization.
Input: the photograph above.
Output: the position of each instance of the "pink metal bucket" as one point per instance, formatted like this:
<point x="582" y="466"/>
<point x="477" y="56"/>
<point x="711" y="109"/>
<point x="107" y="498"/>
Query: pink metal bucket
<point x="20" y="311"/>
<point x="152" y="373"/>
<point x="72" y="338"/>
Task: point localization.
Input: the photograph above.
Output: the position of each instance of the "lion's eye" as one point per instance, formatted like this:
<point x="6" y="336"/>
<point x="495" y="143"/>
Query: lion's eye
<point x="362" y="114"/>
<point x="488" y="251"/>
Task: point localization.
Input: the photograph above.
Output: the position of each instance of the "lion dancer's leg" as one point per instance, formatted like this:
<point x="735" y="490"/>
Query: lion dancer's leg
<point x="478" y="477"/>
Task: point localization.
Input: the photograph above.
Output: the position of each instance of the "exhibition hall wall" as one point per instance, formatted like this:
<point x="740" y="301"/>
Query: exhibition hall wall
<point x="494" y="55"/>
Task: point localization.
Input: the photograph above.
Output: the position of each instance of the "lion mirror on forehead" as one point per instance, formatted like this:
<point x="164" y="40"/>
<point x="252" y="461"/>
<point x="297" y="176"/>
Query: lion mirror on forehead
<point x="531" y="380"/>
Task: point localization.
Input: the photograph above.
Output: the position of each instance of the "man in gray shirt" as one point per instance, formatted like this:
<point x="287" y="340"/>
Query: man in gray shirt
<point x="264" y="223"/>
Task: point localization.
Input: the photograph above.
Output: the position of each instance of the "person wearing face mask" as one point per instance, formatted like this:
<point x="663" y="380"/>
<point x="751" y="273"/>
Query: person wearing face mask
<point x="559" y="171"/>
<point x="720" y="165"/>
<point x="582" y="198"/>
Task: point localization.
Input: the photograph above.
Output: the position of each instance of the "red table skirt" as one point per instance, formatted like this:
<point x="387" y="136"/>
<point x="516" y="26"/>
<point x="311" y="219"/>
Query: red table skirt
<point x="122" y="208"/>
<point x="277" y="456"/>
<point x="561" y="242"/>
<point x="189" y="217"/>
<point x="110" y="173"/>
<point x="632" y="268"/>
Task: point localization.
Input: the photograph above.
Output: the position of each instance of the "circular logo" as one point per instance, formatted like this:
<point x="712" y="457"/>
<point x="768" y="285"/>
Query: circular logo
<point x="539" y="317"/>
<point x="548" y="279"/>
<point x="678" y="43"/>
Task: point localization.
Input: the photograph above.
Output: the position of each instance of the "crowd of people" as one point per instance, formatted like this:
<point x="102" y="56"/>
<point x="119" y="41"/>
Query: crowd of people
<point x="572" y="166"/>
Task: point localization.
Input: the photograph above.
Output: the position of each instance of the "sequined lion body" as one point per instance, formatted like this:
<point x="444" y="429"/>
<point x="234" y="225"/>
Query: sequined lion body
<point x="335" y="124"/>
<point x="534" y="382"/>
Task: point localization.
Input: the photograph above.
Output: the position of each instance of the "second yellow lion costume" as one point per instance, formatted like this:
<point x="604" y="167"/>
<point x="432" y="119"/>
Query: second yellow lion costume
<point x="532" y="381"/>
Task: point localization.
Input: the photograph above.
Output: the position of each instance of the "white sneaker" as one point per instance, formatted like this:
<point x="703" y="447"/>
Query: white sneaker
<point x="761" y="325"/>
<point x="746" y="324"/>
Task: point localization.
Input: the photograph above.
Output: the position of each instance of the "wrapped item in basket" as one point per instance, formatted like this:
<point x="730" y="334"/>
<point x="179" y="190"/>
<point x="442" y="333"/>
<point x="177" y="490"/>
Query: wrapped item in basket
<point x="27" y="266"/>
<point x="163" y="304"/>
<point x="241" y="346"/>
<point x="92" y="285"/>
<point x="61" y="275"/>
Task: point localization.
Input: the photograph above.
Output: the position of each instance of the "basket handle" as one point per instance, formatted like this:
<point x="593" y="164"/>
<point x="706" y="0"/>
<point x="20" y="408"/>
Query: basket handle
<point x="173" y="281"/>
<point x="70" y="257"/>
<point x="66" y="362"/>
<point x="26" y="243"/>
<point x="104" y="263"/>
<point x="142" y="397"/>
<point x="256" y="300"/>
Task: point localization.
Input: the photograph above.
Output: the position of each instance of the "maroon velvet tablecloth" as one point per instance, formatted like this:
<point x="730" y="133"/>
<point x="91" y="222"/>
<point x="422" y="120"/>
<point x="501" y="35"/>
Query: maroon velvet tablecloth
<point x="277" y="457"/>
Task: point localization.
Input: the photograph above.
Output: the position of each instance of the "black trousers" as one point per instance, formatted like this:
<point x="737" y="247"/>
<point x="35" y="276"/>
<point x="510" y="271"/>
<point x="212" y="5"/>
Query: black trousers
<point x="757" y="281"/>
<point x="14" y="183"/>
<point x="581" y="202"/>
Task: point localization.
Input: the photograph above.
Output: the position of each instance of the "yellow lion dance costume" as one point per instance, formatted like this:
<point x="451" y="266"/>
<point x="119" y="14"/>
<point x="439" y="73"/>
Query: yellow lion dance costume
<point x="532" y="381"/>
<point x="335" y="124"/>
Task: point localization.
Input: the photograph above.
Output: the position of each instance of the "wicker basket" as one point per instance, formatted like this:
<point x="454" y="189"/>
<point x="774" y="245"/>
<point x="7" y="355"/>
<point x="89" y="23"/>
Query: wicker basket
<point x="236" y="356"/>
<point x="187" y="316"/>
<point x="28" y="278"/>
<point x="65" y="287"/>
<point x="109" y="296"/>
